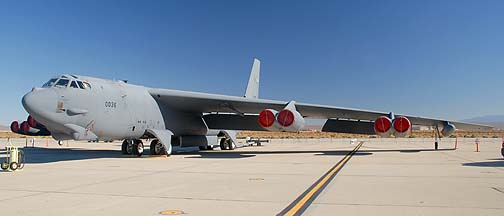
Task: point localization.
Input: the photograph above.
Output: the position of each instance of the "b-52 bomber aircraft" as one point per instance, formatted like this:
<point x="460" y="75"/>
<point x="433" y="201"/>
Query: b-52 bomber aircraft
<point x="73" y="107"/>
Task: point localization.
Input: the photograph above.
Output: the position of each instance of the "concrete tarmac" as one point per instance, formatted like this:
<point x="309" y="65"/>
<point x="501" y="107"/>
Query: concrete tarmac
<point x="384" y="177"/>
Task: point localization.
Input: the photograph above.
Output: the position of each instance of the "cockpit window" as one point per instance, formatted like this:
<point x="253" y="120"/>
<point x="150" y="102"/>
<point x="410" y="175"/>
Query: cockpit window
<point x="88" y="86"/>
<point x="62" y="83"/>
<point x="49" y="83"/>
<point x="81" y="85"/>
<point x="74" y="85"/>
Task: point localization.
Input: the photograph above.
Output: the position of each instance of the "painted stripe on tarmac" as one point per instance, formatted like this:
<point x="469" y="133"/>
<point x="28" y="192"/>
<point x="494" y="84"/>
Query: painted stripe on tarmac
<point x="298" y="206"/>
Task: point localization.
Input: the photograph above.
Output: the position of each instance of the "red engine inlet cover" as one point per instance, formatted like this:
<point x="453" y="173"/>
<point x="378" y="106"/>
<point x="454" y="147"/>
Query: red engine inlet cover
<point x="382" y="124"/>
<point x="266" y="118"/>
<point x="31" y="121"/>
<point x="285" y="118"/>
<point x="14" y="126"/>
<point x="402" y="124"/>
<point x="25" y="127"/>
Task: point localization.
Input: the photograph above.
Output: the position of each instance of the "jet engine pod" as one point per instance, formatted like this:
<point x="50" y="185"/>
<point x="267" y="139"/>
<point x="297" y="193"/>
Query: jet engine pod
<point x="448" y="130"/>
<point x="31" y="121"/>
<point x="14" y="127"/>
<point x="290" y="120"/>
<point x="402" y="126"/>
<point x="25" y="128"/>
<point x="383" y="126"/>
<point x="267" y="120"/>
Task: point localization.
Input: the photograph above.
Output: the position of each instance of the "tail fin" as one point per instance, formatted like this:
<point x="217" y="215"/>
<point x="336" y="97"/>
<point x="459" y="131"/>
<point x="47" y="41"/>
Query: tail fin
<point x="253" y="83"/>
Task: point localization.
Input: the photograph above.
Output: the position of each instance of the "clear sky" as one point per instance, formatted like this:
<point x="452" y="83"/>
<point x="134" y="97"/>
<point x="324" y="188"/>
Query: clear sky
<point x="429" y="58"/>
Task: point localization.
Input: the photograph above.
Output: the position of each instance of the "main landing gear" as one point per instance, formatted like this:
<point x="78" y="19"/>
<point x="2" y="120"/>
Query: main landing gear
<point x="130" y="147"/>
<point x="157" y="148"/>
<point x="227" y="144"/>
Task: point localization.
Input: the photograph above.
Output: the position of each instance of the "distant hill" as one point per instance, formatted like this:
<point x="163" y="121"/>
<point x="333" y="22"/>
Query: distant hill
<point x="488" y="118"/>
<point x="493" y="120"/>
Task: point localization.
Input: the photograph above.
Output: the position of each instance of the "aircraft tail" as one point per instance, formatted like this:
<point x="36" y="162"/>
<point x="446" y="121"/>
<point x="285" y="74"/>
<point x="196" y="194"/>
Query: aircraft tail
<point x="253" y="83"/>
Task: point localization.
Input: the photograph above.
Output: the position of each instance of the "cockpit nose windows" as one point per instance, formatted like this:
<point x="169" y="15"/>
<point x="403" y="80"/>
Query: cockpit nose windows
<point x="49" y="83"/>
<point x="62" y="83"/>
<point x="81" y="85"/>
<point x="74" y="85"/>
<point x="88" y="86"/>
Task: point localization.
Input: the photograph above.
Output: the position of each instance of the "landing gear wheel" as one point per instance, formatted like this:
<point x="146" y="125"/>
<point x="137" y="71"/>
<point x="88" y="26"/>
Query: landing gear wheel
<point x="157" y="148"/>
<point x="138" y="148"/>
<point x="124" y="147"/>
<point x="231" y="145"/>
<point x="14" y="166"/>
<point x="60" y="142"/>
<point x="209" y="148"/>
<point x="223" y="144"/>
<point x="5" y="165"/>
<point x="127" y="147"/>
<point x="201" y="148"/>
<point x="21" y="157"/>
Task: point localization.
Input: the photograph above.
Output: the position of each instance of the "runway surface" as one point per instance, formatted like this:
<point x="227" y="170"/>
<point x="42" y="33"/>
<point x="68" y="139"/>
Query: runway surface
<point x="382" y="177"/>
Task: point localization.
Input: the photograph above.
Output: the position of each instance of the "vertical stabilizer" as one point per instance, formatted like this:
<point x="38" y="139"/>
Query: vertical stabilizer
<point x="253" y="83"/>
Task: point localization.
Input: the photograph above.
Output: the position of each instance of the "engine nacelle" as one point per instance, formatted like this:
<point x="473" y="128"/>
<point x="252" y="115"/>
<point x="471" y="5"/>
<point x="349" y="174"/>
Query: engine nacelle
<point x="25" y="129"/>
<point x="448" y="130"/>
<point x="268" y="120"/>
<point x="286" y="120"/>
<point x="14" y="127"/>
<point x="402" y="126"/>
<point x="383" y="126"/>
<point x="290" y="120"/>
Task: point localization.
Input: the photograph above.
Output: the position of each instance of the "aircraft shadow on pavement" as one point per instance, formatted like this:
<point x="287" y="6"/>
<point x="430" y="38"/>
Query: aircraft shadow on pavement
<point x="406" y="150"/>
<point x="50" y="155"/>
<point x="492" y="163"/>
<point x="248" y="154"/>
<point x="46" y="155"/>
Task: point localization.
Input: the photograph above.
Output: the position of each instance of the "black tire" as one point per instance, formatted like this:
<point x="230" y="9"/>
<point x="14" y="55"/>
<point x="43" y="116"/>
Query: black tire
<point x="156" y="148"/>
<point x="230" y="144"/>
<point x="21" y="157"/>
<point x="14" y="166"/>
<point x="202" y="148"/>
<point x="502" y="152"/>
<point x="223" y="144"/>
<point x="209" y="148"/>
<point x="5" y="165"/>
<point x="124" y="147"/>
<point x="138" y="148"/>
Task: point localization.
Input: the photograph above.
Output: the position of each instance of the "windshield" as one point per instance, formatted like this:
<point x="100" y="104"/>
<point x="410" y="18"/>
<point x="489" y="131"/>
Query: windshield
<point x="62" y="83"/>
<point x="49" y="83"/>
<point x="74" y="85"/>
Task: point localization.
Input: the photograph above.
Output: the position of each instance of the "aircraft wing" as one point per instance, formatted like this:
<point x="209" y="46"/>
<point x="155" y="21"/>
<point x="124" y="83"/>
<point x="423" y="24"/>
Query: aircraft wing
<point x="196" y="102"/>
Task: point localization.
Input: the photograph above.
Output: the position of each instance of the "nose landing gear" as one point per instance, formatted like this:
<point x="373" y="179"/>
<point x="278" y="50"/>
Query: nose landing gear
<point x="130" y="147"/>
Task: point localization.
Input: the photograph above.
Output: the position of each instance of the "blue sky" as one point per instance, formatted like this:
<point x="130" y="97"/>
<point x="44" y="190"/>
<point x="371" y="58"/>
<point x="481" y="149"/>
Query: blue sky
<point x="429" y="58"/>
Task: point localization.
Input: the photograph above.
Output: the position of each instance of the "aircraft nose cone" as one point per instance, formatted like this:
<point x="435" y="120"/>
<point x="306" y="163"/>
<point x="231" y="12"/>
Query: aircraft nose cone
<point x="39" y="102"/>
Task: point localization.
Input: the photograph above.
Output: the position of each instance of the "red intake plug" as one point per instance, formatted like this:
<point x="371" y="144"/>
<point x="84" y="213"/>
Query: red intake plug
<point x="31" y="121"/>
<point x="402" y="124"/>
<point x="285" y="118"/>
<point x="14" y="127"/>
<point x="266" y="118"/>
